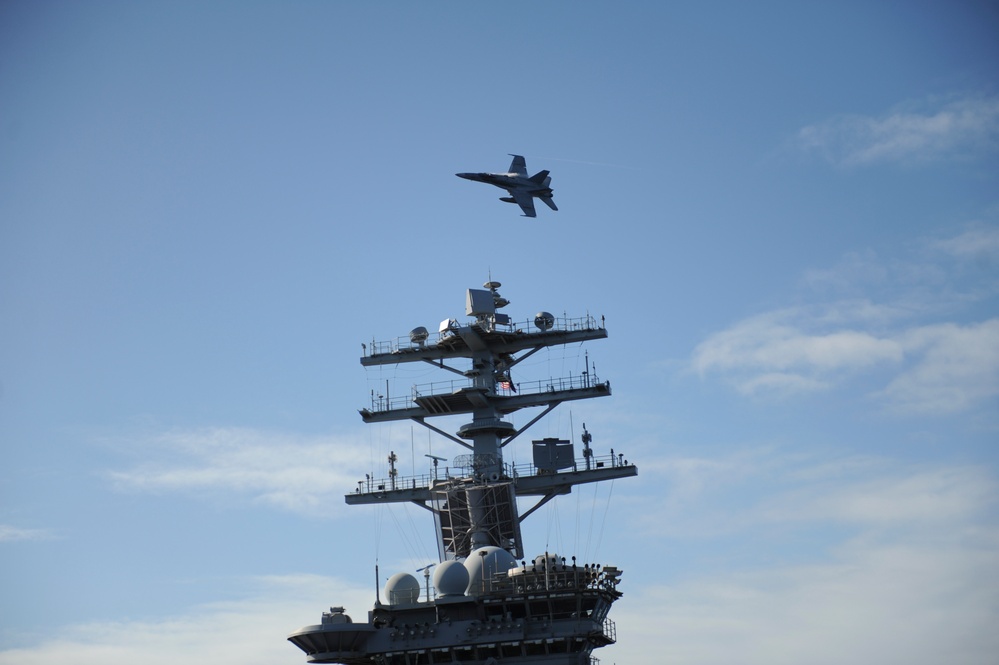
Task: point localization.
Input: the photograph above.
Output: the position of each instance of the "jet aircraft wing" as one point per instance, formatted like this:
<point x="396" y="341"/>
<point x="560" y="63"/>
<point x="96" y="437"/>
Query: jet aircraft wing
<point x="524" y="200"/>
<point x="518" y="165"/>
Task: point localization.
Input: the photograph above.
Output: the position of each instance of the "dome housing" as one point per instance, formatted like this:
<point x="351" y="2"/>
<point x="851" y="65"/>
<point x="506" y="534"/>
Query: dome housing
<point x="451" y="578"/>
<point x="402" y="588"/>
<point x="483" y="563"/>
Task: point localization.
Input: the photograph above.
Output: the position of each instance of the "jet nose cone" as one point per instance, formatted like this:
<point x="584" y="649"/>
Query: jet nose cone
<point x="466" y="176"/>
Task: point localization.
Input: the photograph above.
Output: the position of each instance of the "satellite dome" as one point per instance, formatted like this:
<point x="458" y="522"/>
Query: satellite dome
<point x="544" y="320"/>
<point x="483" y="563"/>
<point x="402" y="588"/>
<point x="451" y="578"/>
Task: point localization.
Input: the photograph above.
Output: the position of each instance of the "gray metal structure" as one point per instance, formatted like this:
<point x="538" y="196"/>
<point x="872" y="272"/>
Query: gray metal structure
<point x="523" y="189"/>
<point x="491" y="606"/>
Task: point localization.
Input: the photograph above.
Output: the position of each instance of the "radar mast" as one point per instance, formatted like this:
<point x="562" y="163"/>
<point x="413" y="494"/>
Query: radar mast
<point x="549" y="608"/>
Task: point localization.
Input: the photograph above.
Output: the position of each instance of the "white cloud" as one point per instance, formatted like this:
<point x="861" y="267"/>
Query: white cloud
<point x="957" y="368"/>
<point x="296" y="473"/>
<point x="904" y="572"/>
<point x="915" y="582"/>
<point x="974" y="243"/>
<point x="781" y="383"/>
<point x="906" y="603"/>
<point x="938" y="369"/>
<point x="956" y="128"/>
<point x="249" y="631"/>
<point x="892" y="497"/>
<point x="9" y="534"/>
<point x="708" y="497"/>
<point x="771" y="352"/>
<point x="925" y="364"/>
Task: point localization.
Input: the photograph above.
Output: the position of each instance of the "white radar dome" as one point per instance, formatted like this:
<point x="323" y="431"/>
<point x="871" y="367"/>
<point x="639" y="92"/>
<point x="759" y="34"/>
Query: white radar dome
<point x="402" y="588"/>
<point x="451" y="578"/>
<point x="483" y="563"/>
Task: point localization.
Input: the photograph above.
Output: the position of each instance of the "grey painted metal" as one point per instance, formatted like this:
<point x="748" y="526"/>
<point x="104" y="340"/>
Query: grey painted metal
<point x="551" y="612"/>
<point x="523" y="189"/>
<point x="560" y="483"/>
<point x="546" y="614"/>
<point x="467" y="401"/>
<point x="454" y="343"/>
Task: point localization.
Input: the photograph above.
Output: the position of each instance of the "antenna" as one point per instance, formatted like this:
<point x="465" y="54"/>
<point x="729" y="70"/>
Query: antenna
<point x="436" y="459"/>
<point x="475" y="509"/>
<point x="426" y="575"/>
<point x="392" y="459"/>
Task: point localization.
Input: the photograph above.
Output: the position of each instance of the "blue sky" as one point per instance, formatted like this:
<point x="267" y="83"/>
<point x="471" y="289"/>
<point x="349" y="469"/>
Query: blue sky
<point x="787" y="213"/>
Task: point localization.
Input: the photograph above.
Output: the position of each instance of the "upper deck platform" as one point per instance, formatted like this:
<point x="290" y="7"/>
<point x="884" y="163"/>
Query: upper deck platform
<point x="461" y="396"/>
<point x="527" y="479"/>
<point x="455" y="341"/>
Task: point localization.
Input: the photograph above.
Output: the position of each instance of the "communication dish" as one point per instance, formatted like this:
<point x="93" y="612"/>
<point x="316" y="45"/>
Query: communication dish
<point x="418" y="335"/>
<point x="544" y="320"/>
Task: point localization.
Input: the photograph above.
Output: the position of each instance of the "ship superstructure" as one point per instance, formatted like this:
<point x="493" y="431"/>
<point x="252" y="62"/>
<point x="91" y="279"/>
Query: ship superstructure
<point x="490" y="605"/>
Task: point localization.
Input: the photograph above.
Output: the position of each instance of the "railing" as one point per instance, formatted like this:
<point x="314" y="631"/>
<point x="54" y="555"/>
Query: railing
<point x="472" y="463"/>
<point x="390" y="403"/>
<point x="525" y="469"/>
<point x="381" y="403"/>
<point x="571" y="382"/>
<point x="532" y="579"/>
<point x="467" y="464"/>
<point x="376" y="485"/>
<point x="610" y="630"/>
<point x="527" y="327"/>
<point x="560" y="577"/>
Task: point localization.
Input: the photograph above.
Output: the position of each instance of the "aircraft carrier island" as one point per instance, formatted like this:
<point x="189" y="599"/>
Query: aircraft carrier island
<point x="489" y="603"/>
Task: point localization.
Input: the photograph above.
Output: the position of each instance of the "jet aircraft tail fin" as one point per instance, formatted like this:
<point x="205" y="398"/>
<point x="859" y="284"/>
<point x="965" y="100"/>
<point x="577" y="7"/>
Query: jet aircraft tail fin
<point x="539" y="177"/>
<point x="548" y="201"/>
<point x="518" y="165"/>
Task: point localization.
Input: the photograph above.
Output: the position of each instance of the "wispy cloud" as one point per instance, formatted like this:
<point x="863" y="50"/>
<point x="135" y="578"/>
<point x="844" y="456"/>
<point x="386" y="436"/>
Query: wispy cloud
<point x="10" y="534"/>
<point x="915" y="581"/>
<point x="305" y="474"/>
<point x="910" y="602"/>
<point x="251" y="630"/>
<point x="904" y="569"/>
<point x="938" y="369"/>
<point x="943" y="130"/>
<point x="883" y="496"/>
<point x="957" y="368"/>
<point x="893" y="328"/>
<point x="771" y="352"/>
<point x="744" y="490"/>
<point x="976" y="242"/>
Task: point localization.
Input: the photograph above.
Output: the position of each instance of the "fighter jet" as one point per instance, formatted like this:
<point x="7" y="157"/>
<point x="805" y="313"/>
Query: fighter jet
<point x="522" y="189"/>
